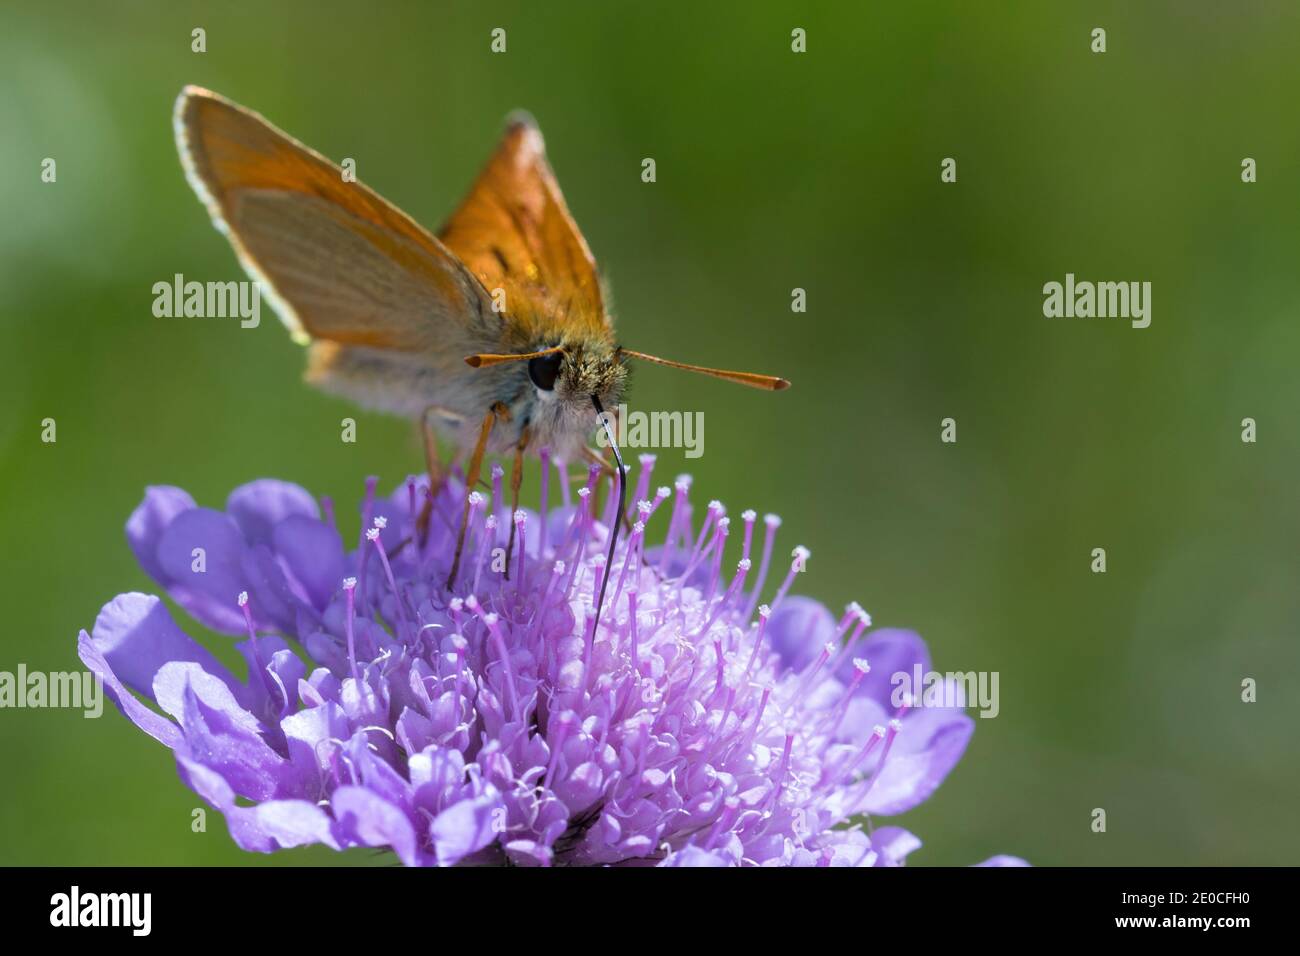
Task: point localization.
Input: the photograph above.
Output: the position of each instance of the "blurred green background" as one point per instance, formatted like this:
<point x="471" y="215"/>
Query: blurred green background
<point x="775" y="171"/>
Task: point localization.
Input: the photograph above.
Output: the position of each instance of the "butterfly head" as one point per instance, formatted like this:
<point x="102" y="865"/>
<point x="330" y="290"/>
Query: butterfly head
<point x="559" y="384"/>
<point x="574" y="373"/>
<point x="564" y="380"/>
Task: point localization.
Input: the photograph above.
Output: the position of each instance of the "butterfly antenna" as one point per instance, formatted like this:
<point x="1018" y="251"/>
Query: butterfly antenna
<point x="486" y="359"/>
<point x="770" y="383"/>
<point x="618" y="520"/>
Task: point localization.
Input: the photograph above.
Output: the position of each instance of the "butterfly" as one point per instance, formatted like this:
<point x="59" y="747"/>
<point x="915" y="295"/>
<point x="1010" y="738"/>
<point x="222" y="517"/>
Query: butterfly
<point x="493" y="332"/>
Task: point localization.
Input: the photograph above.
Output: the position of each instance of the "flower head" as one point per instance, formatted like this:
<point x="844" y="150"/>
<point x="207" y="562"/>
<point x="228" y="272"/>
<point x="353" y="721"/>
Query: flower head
<point x="492" y="721"/>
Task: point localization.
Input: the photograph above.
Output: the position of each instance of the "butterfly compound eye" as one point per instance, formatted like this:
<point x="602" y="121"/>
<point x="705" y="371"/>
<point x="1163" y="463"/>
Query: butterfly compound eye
<point x="544" y="370"/>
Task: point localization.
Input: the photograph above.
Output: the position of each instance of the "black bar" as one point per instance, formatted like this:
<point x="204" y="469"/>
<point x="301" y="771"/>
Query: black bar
<point x="372" y="904"/>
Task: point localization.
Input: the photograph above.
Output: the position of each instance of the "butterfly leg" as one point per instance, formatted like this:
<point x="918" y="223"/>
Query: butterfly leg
<point x="437" y="476"/>
<point x="516" y="479"/>
<point x="606" y="470"/>
<point x="498" y="410"/>
<point x="433" y="465"/>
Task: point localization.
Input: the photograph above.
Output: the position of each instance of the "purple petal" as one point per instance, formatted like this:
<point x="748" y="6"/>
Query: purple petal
<point x="529" y="853"/>
<point x="370" y="820"/>
<point x="465" y="827"/>
<point x="312" y="553"/>
<point x="269" y="826"/>
<point x="1003" y="860"/>
<point x="307" y="734"/>
<point x="161" y="505"/>
<point x="271" y="599"/>
<point x="694" y="856"/>
<point x="157" y="727"/>
<point x="798" y="629"/>
<point x="930" y="744"/>
<point x="208" y="589"/>
<point x="170" y="684"/>
<point x="294" y="823"/>
<point x="136" y="635"/>
<point x="850" y="848"/>
<point x="259" y="506"/>
<point x="890" y="652"/>
<point x="273" y="675"/>
<point x="893" y="844"/>
<point x="219" y="733"/>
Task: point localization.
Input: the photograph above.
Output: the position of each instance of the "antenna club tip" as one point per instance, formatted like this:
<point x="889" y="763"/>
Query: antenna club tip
<point x="474" y="361"/>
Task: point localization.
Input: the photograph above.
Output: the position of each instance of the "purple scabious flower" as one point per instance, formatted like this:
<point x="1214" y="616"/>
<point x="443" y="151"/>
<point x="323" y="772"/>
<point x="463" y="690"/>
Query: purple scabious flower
<point x="492" y="722"/>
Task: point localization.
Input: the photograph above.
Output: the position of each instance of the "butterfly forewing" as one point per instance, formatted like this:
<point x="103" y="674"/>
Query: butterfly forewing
<point x="345" y="265"/>
<point x="514" y="232"/>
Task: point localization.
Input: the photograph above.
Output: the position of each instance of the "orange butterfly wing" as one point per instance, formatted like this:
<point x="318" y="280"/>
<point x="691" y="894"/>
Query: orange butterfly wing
<point x="515" y="233"/>
<point x="344" y="264"/>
